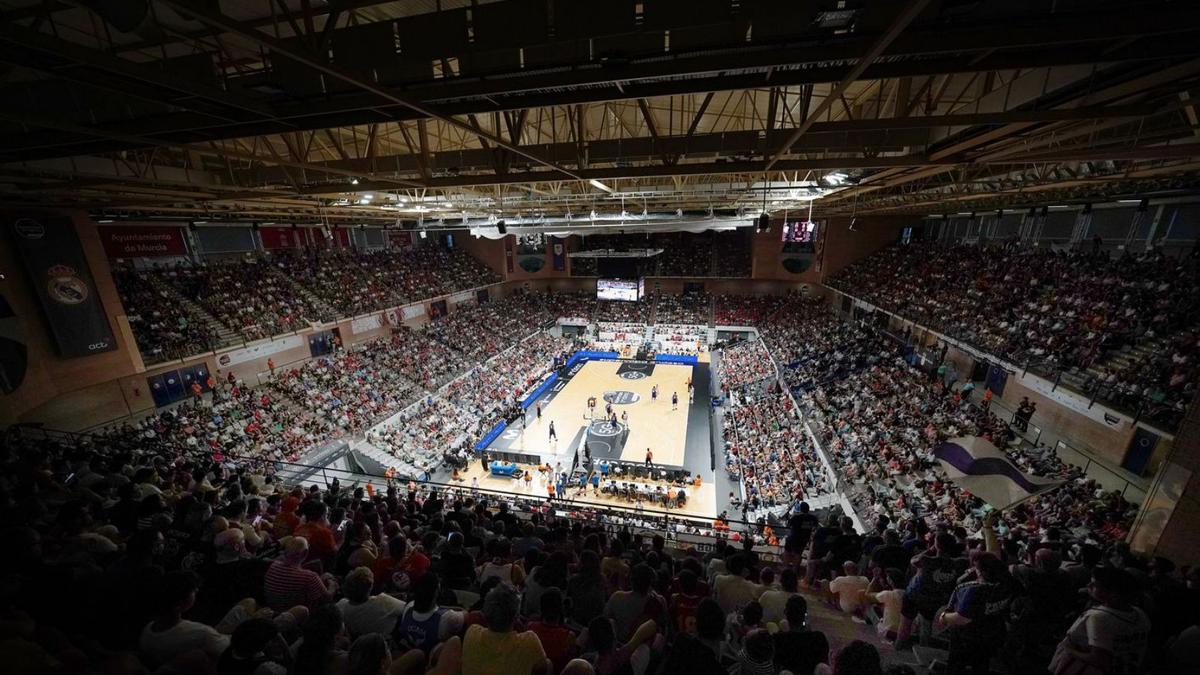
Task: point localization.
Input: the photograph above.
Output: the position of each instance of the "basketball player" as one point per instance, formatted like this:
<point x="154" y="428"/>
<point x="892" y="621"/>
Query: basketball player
<point x="649" y="459"/>
<point x="674" y="400"/>
<point x="553" y="434"/>
<point x="654" y="394"/>
<point x="625" y="418"/>
<point x="591" y="404"/>
<point x="539" y="412"/>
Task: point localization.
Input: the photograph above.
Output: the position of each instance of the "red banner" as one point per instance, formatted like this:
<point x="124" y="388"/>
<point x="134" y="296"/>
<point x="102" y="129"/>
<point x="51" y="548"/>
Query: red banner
<point x="147" y="241"/>
<point x="400" y="239"/>
<point x="339" y="237"/>
<point x="283" y="237"/>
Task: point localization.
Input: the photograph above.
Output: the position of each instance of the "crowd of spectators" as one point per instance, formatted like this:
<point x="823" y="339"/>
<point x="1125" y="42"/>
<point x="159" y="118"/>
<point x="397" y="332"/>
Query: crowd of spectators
<point x="813" y="346"/>
<point x="358" y="282"/>
<point x="570" y="305"/>
<point x="425" y="361"/>
<point x="690" y="308"/>
<point x="622" y="311"/>
<point x="249" y="296"/>
<point x="767" y="449"/>
<point x="351" y="389"/>
<point x="481" y="331"/>
<point x="234" y="419"/>
<point x="181" y="563"/>
<point x="285" y="291"/>
<point x="746" y="310"/>
<point x="163" y="327"/>
<point x="420" y="436"/>
<point x="1054" y="310"/>
<point x="745" y="363"/>
<point x="489" y="390"/>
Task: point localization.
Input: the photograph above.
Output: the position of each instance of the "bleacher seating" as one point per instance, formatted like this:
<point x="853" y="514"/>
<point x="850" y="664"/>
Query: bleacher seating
<point x="1055" y="311"/>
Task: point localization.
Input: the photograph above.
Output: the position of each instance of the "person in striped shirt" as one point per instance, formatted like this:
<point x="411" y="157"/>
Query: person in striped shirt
<point x="288" y="584"/>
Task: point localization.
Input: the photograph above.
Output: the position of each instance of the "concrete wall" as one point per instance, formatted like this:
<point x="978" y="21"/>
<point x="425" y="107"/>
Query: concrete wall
<point x="840" y="246"/>
<point x="1168" y="522"/>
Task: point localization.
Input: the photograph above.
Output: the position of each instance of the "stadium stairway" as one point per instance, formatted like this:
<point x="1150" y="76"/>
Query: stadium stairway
<point x="1128" y="358"/>
<point x="226" y="336"/>
<point x="327" y="313"/>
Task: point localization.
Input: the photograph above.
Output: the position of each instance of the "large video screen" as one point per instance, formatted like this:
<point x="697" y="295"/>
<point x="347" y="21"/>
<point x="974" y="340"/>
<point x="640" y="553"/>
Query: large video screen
<point x="628" y="290"/>
<point x="800" y="231"/>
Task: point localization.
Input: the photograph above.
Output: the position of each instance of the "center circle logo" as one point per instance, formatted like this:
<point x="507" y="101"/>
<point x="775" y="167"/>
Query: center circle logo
<point x="607" y="428"/>
<point x="633" y="375"/>
<point x="621" y="397"/>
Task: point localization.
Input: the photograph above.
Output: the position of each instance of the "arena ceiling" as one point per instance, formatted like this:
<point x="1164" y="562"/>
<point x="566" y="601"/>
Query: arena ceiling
<point x="381" y="112"/>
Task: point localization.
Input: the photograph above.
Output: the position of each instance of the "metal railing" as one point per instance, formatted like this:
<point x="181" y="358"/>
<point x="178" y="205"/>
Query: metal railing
<point x="1097" y="471"/>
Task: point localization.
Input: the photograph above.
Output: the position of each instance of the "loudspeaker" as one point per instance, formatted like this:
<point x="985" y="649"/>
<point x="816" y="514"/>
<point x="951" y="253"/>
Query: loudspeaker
<point x="764" y="223"/>
<point x="501" y="227"/>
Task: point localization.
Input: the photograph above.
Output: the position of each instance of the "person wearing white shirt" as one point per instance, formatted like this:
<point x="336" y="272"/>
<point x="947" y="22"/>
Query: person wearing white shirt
<point x="774" y="600"/>
<point x="849" y="588"/>
<point x="169" y="635"/>
<point x="364" y="613"/>
<point x="733" y="591"/>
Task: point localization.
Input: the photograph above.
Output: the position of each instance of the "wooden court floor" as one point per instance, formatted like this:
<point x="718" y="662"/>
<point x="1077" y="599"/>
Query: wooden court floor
<point x="652" y="424"/>
<point x="701" y="501"/>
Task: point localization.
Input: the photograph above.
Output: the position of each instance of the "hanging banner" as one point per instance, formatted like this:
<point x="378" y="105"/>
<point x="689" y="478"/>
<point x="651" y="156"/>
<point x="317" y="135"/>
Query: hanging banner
<point x="260" y="350"/>
<point x="558" y="249"/>
<point x="366" y="323"/>
<point x="508" y="254"/>
<point x="58" y="270"/>
<point x="142" y="241"/>
<point x="274" y="238"/>
<point x="412" y="311"/>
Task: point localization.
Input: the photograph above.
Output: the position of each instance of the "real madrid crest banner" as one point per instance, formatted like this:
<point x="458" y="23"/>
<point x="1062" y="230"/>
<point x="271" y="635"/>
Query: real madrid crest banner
<point x="558" y="249"/>
<point x="59" y="273"/>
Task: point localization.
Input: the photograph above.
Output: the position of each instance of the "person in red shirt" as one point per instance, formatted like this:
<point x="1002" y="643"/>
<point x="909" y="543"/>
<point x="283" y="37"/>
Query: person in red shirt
<point x="287" y="521"/>
<point x="196" y="390"/>
<point x="557" y="640"/>
<point x="684" y="603"/>
<point x="322" y="545"/>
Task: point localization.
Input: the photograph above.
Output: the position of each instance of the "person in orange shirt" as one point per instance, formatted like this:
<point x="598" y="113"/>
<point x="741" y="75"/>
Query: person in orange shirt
<point x="271" y="365"/>
<point x="370" y="490"/>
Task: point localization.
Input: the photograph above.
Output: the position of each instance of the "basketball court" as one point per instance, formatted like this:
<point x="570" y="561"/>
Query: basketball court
<point x="679" y="437"/>
<point x="627" y="386"/>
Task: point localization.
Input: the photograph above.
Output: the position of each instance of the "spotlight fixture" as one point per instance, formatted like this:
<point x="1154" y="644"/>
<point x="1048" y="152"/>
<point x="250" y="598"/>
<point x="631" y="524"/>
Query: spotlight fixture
<point x="853" y="220"/>
<point x="354" y="181"/>
<point x="764" y="223"/>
